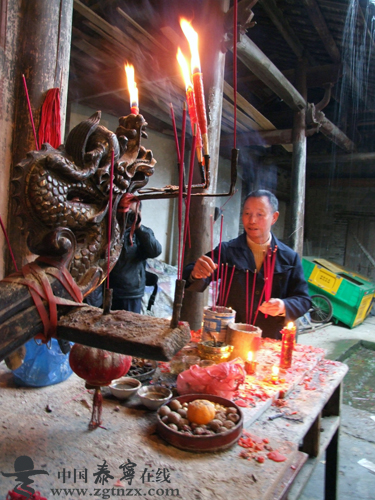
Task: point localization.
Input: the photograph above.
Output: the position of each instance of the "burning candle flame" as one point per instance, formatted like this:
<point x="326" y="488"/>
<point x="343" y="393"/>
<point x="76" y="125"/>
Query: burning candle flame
<point x="275" y="371"/>
<point x="192" y="38"/>
<point x="184" y="65"/>
<point x="250" y="356"/>
<point x="132" y="87"/>
<point x="290" y="325"/>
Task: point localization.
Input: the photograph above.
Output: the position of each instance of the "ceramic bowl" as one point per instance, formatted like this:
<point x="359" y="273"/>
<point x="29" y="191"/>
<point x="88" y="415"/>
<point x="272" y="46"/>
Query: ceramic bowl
<point x="153" y="396"/>
<point x="124" y="387"/>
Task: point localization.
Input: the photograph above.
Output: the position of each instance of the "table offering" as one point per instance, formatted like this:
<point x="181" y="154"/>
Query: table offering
<point x="200" y="422"/>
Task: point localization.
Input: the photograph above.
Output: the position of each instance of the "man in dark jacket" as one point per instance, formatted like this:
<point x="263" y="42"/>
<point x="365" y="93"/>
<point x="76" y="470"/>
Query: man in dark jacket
<point x="289" y="298"/>
<point x="128" y="277"/>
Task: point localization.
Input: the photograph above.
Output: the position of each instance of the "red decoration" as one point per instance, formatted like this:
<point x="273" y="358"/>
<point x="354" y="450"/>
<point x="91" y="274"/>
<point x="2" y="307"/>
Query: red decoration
<point x="98" y="368"/>
<point x="50" y="120"/>
<point x="287" y="345"/>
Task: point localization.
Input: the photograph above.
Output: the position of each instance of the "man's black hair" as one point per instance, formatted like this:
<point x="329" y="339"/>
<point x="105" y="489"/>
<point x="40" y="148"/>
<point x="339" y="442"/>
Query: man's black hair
<point x="258" y="193"/>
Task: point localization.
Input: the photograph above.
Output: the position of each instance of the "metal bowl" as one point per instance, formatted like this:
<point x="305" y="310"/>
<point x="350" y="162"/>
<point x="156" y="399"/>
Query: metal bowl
<point x="218" y="353"/>
<point x="139" y="371"/>
<point x="199" y="444"/>
<point x="124" y="387"/>
<point x="153" y="396"/>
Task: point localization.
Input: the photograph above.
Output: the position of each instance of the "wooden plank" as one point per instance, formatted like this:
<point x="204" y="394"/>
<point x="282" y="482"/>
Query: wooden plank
<point x="282" y="489"/>
<point x="141" y="30"/>
<point x="124" y="332"/>
<point x="311" y="441"/>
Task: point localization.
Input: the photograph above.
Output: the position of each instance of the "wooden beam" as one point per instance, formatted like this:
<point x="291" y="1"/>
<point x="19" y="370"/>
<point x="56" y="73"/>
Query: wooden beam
<point x="259" y="64"/>
<point x="317" y="76"/>
<point x="321" y="27"/>
<point x="279" y="20"/>
<point x="141" y="30"/>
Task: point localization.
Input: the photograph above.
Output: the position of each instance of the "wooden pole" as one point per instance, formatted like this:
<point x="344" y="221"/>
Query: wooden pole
<point x="43" y="57"/>
<point x="212" y="62"/>
<point x="298" y="181"/>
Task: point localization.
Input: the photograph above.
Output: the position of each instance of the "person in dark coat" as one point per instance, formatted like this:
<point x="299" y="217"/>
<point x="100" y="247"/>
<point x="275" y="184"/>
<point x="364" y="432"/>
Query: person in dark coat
<point x="128" y="278"/>
<point x="289" y="295"/>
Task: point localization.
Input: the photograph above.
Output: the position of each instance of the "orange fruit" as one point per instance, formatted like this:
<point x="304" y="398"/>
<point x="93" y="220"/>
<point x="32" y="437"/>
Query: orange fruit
<point x="201" y="411"/>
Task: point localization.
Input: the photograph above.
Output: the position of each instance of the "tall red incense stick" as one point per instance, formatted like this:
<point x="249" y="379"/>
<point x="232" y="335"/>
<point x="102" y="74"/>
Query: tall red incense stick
<point x="266" y="265"/>
<point x="219" y="257"/>
<point x="8" y="243"/>
<point x="247" y="297"/>
<point x="180" y="192"/>
<point x="259" y="304"/>
<point x="229" y="286"/>
<point x="212" y="258"/>
<point x="253" y="293"/>
<point x="235" y="15"/>
<point x="175" y="132"/>
<point x="110" y="215"/>
<point x="223" y="286"/>
<point x="30" y="112"/>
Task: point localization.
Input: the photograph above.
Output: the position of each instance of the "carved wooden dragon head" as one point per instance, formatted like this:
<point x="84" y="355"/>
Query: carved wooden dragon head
<point x="63" y="194"/>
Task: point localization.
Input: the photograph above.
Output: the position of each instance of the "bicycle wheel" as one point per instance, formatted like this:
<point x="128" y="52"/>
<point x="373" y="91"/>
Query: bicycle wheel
<point x="322" y="310"/>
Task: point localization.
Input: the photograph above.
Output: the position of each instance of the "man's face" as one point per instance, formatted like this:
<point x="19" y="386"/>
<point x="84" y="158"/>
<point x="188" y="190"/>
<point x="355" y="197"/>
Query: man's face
<point x="257" y="219"/>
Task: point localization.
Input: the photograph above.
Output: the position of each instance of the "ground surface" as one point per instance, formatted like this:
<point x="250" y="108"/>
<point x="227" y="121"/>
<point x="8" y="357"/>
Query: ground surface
<point x="357" y="437"/>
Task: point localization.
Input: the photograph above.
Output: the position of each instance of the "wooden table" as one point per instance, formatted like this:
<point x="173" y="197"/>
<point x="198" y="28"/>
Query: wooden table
<point x="317" y="435"/>
<point x="50" y="426"/>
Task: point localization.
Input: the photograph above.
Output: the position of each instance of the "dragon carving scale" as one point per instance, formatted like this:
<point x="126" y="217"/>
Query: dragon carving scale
<point x="63" y="194"/>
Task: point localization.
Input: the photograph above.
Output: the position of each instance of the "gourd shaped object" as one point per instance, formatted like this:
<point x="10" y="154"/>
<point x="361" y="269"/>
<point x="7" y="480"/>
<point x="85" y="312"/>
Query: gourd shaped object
<point x="98" y="368"/>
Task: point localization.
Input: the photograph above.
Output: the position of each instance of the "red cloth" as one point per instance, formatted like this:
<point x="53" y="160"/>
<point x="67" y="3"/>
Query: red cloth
<point x="12" y="495"/>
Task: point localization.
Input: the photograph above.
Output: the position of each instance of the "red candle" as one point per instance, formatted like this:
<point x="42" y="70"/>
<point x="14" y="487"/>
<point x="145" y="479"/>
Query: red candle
<point x="287" y="345"/>
<point x="250" y="364"/>
<point x="197" y="77"/>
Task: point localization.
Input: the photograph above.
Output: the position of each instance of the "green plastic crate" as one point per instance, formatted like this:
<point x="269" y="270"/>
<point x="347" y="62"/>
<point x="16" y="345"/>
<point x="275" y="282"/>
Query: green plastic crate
<point x="351" y="294"/>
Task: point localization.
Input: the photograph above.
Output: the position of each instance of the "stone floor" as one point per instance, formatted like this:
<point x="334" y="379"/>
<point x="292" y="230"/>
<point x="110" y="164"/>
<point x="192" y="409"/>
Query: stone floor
<point x="357" y="437"/>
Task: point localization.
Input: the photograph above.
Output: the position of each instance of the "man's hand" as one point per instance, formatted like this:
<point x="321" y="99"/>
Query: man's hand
<point x="274" y="307"/>
<point x="203" y="268"/>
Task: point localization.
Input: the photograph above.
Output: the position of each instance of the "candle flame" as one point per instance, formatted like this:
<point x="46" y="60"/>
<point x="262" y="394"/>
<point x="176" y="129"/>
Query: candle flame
<point x="290" y="325"/>
<point x="275" y="371"/>
<point x="192" y="38"/>
<point x="184" y="65"/>
<point x="132" y="86"/>
<point x="250" y="356"/>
